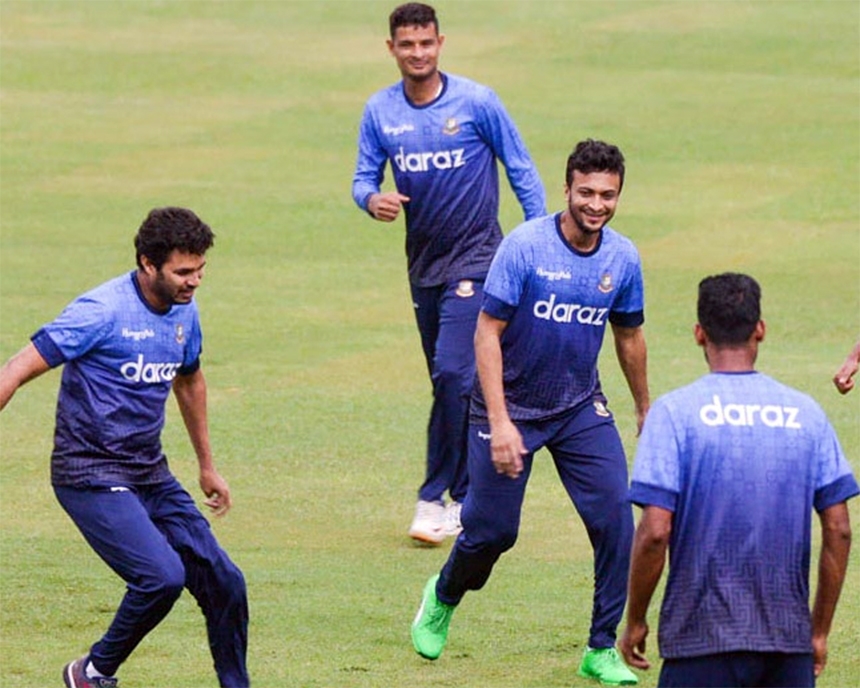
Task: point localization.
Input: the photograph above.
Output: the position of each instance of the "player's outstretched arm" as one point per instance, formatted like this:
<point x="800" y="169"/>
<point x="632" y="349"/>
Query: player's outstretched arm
<point x="190" y="392"/>
<point x="20" y="369"/>
<point x="835" y="546"/>
<point x="844" y="378"/>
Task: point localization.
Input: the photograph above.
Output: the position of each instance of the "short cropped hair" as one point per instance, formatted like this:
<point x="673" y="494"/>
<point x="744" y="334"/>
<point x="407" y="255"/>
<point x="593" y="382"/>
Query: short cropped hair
<point x="412" y="14"/>
<point x="171" y="229"/>
<point x="595" y="156"/>
<point x="729" y="307"/>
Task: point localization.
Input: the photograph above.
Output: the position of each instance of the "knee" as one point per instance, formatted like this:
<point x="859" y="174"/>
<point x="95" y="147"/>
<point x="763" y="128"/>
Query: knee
<point x="233" y="591"/>
<point x="487" y="535"/>
<point x="166" y="582"/>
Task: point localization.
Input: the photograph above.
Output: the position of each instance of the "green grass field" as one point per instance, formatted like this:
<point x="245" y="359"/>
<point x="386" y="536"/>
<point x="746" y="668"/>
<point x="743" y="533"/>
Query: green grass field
<point x="741" y="126"/>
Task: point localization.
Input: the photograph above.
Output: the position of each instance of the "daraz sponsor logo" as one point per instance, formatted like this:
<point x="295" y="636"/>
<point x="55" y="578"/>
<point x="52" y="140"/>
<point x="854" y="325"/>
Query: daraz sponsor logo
<point x="423" y="162"/>
<point x="569" y="312"/>
<point x="138" y="371"/>
<point x="771" y="415"/>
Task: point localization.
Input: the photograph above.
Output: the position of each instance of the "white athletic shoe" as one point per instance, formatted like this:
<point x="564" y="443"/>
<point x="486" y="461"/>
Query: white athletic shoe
<point x="453" y="527"/>
<point x="429" y="524"/>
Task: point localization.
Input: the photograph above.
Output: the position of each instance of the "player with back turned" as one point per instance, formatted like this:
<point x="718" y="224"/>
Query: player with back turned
<point x="442" y="135"/>
<point x="728" y="471"/>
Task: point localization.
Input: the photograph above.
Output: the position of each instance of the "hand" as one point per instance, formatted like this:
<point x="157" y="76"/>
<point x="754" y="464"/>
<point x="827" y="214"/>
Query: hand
<point x="217" y="492"/>
<point x="819" y="653"/>
<point x="386" y="206"/>
<point x="844" y="378"/>
<point x="508" y="449"/>
<point x="632" y="645"/>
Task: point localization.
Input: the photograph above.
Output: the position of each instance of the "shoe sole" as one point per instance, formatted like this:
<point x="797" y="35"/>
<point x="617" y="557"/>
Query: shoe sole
<point x="426" y="538"/>
<point x="606" y="683"/>
<point x="68" y="676"/>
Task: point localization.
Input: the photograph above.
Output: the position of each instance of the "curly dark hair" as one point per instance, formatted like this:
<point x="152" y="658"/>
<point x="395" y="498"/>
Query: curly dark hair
<point x="170" y="229"/>
<point x="412" y="14"/>
<point x="595" y="156"/>
<point x="729" y="307"/>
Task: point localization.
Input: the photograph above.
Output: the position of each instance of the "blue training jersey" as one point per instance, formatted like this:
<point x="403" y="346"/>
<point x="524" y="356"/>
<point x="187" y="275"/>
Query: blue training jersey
<point x="741" y="460"/>
<point x="120" y="359"/>
<point x="443" y="156"/>
<point x="557" y="302"/>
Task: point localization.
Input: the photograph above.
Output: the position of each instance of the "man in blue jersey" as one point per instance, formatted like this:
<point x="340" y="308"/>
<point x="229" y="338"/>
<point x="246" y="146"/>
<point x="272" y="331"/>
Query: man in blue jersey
<point x="124" y="345"/>
<point x="442" y="135"/>
<point x="555" y="284"/>
<point x="728" y="471"/>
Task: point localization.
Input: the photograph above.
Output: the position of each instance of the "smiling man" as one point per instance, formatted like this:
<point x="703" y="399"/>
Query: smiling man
<point x="442" y="135"/>
<point x="554" y="285"/>
<point x="124" y="345"/>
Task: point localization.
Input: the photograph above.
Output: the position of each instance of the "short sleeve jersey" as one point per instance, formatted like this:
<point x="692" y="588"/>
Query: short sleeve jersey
<point x="557" y="303"/>
<point x="443" y="157"/>
<point x="741" y="460"/>
<point x="120" y="359"/>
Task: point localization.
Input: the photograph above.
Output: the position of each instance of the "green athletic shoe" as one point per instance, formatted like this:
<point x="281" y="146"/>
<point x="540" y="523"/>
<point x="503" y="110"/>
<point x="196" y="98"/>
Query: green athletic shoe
<point x="607" y="667"/>
<point x="430" y="627"/>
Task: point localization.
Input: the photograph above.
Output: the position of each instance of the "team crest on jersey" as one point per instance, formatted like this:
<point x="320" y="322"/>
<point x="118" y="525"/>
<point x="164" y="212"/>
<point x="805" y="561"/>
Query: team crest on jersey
<point x="605" y="285"/>
<point x="180" y="334"/>
<point x="465" y="289"/>
<point x="451" y="127"/>
<point x="600" y="409"/>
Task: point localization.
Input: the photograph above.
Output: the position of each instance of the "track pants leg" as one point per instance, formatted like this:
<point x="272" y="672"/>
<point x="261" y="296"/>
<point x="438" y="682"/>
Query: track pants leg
<point x="446" y="318"/>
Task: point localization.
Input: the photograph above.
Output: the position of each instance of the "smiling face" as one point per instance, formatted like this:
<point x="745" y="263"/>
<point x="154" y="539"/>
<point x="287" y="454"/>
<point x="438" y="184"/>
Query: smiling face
<point x="416" y="50"/>
<point x="175" y="282"/>
<point x="592" y="199"/>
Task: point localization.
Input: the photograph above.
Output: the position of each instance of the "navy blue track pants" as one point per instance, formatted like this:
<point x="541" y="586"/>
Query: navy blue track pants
<point x="741" y="669"/>
<point x="155" y="538"/>
<point x="590" y="461"/>
<point x="446" y="317"/>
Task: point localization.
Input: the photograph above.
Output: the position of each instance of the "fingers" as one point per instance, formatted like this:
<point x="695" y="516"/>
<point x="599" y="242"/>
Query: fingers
<point x="508" y="462"/>
<point x="218" y="503"/>
<point x="386" y="206"/>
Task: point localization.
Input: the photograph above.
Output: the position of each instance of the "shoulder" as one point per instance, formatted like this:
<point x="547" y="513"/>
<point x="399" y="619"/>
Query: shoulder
<point x="480" y="94"/>
<point x="792" y="396"/>
<point x="532" y="231"/>
<point x="619" y="241"/>
<point x="110" y="295"/>
<point x="385" y="96"/>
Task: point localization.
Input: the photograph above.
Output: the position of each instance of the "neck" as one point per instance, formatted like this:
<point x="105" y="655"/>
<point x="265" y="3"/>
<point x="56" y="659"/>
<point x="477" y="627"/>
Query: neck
<point x="149" y="294"/>
<point x="723" y="359"/>
<point x="424" y="91"/>
<point x="575" y="236"/>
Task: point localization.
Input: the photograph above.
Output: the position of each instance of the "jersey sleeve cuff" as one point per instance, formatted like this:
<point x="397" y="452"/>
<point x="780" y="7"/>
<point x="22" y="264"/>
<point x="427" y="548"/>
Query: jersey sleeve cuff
<point x="497" y="308"/>
<point x="621" y="319"/>
<point x="839" y="490"/>
<point x="650" y="495"/>
<point x="190" y="368"/>
<point x="47" y="348"/>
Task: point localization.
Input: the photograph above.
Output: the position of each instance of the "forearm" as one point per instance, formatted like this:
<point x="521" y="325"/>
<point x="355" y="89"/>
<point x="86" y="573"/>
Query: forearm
<point x="648" y="558"/>
<point x="488" y="357"/>
<point x="18" y="370"/>
<point x="632" y="354"/>
<point x="190" y="392"/>
<point x="832" y="565"/>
